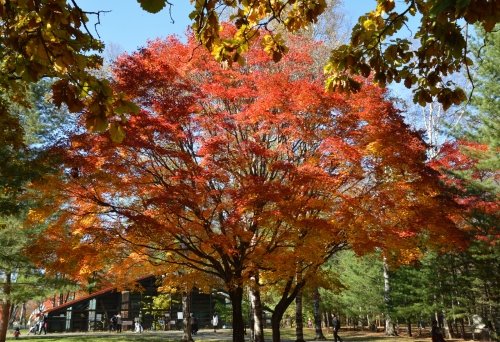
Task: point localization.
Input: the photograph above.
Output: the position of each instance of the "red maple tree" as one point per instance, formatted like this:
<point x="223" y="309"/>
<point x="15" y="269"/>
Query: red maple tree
<point x="228" y="172"/>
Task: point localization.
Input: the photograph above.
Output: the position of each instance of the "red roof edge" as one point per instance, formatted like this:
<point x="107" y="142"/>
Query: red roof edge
<point x="90" y="296"/>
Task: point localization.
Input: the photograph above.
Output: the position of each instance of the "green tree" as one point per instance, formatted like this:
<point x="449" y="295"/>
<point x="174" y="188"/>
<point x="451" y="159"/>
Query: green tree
<point x="470" y="168"/>
<point x="480" y="191"/>
<point x="361" y="296"/>
<point x="419" y="289"/>
<point x="23" y="159"/>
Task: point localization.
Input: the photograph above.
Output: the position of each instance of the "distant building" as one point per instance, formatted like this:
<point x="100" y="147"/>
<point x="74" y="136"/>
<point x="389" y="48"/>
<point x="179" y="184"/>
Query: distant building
<point x="94" y="311"/>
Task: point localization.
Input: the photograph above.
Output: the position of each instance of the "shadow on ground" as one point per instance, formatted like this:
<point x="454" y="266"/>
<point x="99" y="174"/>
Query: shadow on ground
<point x="287" y="335"/>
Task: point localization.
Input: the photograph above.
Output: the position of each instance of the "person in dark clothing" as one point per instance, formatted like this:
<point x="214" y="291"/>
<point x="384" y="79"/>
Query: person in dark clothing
<point x="112" y="324"/>
<point x="43" y="325"/>
<point x="436" y="334"/>
<point x="336" y="328"/>
<point x="194" y="325"/>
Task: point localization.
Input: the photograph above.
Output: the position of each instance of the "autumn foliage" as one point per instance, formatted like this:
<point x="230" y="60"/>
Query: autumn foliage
<point x="230" y="171"/>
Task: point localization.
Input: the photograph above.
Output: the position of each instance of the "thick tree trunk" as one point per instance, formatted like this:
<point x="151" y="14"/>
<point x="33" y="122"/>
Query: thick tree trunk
<point x="299" y="318"/>
<point x="257" y="317"/>
<point x="317" y="316"/>
<point x="236" y="296"/>
<point x="288" y="296"/>
<point x="5" y="307"/>
<point x="278" y="313"/>
<point x="186" y="312"/>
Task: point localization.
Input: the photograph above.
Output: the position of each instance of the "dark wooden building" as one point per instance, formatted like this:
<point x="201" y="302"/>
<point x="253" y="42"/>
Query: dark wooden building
<point x="94" y="311"/>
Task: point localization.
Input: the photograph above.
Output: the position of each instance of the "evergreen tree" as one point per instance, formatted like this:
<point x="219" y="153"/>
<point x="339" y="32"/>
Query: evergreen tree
<point x="482" y="183"/>
<point x="470" y="167"/>
<point x="27" y="132"/>
<point x="360" y="300"/>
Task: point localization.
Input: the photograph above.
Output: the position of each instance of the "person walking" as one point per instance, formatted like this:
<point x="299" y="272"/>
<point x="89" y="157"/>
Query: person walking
<point x="436" y="333"/>
<point x="194" y="325"/>
<point x="112" y="323"/>
<point x="17" y="333"/>
<point x="118" y="323"/>
<point x="42" y="324"/>
<point x="138" y="325"/>
<point x="215" y="321"/>
<point x="336" y="328"/>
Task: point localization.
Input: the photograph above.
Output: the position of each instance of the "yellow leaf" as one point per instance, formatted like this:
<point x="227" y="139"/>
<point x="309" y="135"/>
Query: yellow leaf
<point x="369" y="24"/>
<point x="116" y="132"/>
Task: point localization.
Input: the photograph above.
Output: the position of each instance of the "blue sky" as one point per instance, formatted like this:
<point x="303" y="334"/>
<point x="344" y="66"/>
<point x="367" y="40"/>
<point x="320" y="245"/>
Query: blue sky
<point x="128" y="27"/>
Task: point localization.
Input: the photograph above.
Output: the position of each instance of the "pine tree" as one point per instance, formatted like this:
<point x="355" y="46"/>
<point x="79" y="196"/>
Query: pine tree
<point x="26" y="134"/>
<point x="483" y="184"/>
<point x="470" y="167"/>
<point x="361" y="297"/>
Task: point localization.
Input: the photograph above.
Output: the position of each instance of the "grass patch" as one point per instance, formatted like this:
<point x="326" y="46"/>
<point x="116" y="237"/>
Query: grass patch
<point x="287" y="335"/>
<point x="98" y="337"/>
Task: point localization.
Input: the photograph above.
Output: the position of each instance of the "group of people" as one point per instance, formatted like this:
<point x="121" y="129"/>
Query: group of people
<point x="39" y="327"/>
<point x="116" y="323"/>
<point x="194" y="323"/>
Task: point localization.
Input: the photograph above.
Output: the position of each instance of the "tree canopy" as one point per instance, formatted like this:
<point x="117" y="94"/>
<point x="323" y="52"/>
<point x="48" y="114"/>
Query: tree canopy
<point x="50" y="38"/>
<point x="225" y="171"/>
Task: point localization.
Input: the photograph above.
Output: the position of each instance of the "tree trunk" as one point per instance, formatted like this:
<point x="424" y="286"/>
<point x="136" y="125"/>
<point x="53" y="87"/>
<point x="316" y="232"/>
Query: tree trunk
<point x="409" y="328"/>
<point x="13" y="313"/>
<point x="256" y="305"/>
<point x="327" y="319"/>
<point x="317" y="316"/>
<point x="236" y="296"/>
<point x="299" y="318"/>
<point x="446" y="327"/>
<point x="5" y="307"/>
<point x="251" y="317"/>
<point x="288" y="296"/>
<point x="389" y="324"/>
<point x="186" y="313"/>
<point x="462" y="328"/>
<point x="278" y="313"/>
<point x="22" y="315"/>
